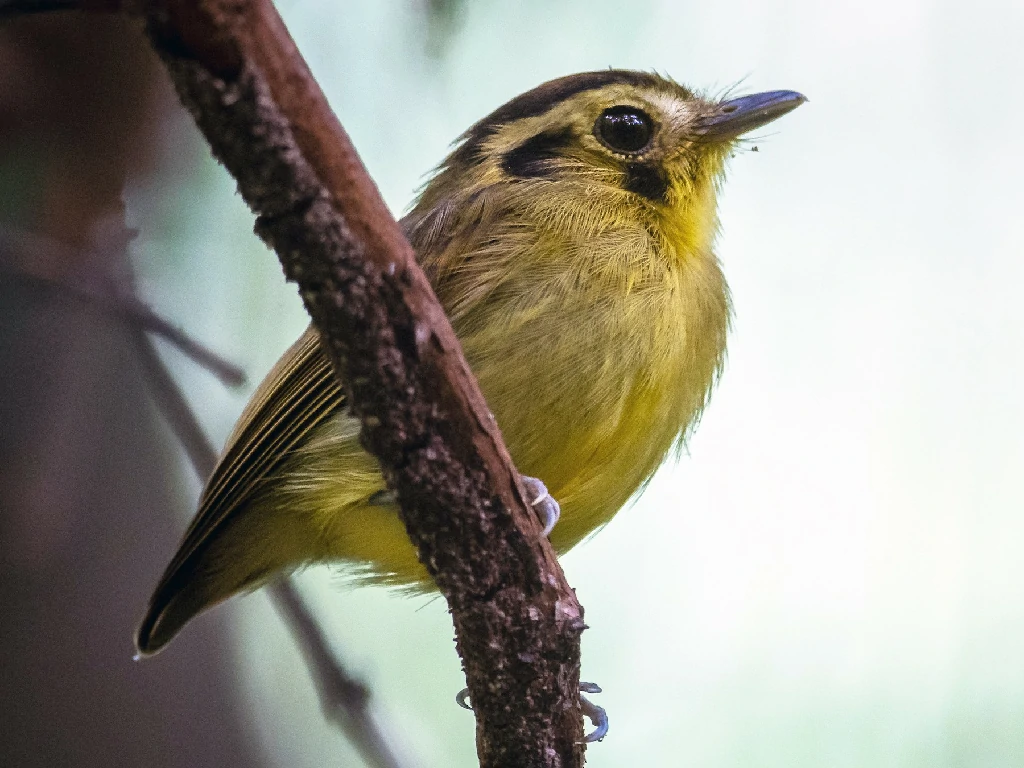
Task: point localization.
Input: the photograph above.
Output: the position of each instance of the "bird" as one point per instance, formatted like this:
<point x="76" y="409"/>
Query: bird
<point x="569" y="236"/>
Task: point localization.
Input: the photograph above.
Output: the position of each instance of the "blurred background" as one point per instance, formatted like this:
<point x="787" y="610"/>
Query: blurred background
<point x="831" y="577"/>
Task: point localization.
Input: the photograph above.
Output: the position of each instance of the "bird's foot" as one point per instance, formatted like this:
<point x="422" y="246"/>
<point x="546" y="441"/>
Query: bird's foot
<point x="594" y="713"/>
<point x="543" y="502"/>
<point x="591" y="711"/>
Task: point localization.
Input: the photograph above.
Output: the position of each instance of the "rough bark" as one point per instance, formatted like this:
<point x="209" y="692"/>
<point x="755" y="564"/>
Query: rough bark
<point x="517" y="622"/>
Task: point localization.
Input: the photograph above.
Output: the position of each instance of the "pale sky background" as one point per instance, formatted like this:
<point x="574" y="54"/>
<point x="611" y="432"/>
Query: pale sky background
<point x="833" y="576"/>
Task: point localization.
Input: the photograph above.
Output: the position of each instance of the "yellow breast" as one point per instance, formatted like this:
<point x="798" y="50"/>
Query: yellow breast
<point x="596" y="358"/>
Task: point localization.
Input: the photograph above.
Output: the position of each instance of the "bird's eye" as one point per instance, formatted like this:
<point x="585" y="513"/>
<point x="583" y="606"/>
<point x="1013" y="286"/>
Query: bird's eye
<point x="624" y="129"/>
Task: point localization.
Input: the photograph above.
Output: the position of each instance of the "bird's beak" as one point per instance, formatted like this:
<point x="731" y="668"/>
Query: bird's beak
<point x="733" y="118"/>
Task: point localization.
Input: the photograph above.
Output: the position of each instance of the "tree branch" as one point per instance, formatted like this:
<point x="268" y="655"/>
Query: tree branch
<point x="517" y="622"/>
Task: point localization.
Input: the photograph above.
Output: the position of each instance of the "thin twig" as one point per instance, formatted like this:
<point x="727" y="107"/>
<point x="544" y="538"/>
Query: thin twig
<point x="175" y="408"/>
<point x="343" y="698"/>
<point x="135" y="311"/>
<point x="127" y="307"/>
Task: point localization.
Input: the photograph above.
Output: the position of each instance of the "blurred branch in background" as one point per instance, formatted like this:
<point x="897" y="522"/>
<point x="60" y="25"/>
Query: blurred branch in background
<point x="128" y="308"/>
<point x="89" y="505"/>
<point x="344" y="699"/>
<point x="444" y="19"/>
<point x="75" y="265"/>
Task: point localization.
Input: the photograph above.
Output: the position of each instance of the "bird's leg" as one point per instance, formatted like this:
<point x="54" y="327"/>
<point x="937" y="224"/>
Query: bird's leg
<point x="594" y="713"/>
<point x="591" y="711"/>
<point x="542" y="501"/>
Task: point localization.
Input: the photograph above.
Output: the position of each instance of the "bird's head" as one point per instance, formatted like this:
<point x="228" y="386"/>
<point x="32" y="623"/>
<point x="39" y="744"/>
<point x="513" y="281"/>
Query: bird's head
<point x="614" y="141"/>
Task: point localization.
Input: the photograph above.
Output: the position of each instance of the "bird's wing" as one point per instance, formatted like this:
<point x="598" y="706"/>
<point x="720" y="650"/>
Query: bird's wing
<point x="299" y="394"/>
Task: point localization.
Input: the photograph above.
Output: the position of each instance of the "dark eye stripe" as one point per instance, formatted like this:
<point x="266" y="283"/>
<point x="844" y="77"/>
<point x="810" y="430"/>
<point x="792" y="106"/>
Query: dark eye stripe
<point x="647" y="180"/>
<point x="534" y="157"/>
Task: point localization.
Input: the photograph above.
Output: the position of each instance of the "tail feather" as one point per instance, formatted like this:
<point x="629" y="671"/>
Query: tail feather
<point x="168" y="612"/>
<point x="191" y="588"/>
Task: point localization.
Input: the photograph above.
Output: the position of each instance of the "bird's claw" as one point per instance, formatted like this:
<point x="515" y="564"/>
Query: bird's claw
<point x="591" y="711"/>
<point x="545" y="504"/>
<point x="597" y="715"/>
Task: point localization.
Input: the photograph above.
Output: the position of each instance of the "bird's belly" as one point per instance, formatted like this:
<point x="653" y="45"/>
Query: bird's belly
<point x="592" y="426"/>
<point x="593" y="455"/>
<point x="607" y="453"/>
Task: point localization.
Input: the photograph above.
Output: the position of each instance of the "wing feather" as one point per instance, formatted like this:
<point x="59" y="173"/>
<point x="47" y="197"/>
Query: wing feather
<point x="299" y="394"/>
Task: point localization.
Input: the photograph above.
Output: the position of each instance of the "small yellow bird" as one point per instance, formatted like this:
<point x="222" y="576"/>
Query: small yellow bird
<point x="569" y="236"/>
